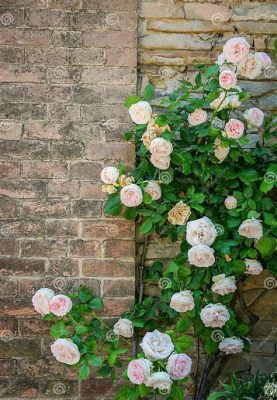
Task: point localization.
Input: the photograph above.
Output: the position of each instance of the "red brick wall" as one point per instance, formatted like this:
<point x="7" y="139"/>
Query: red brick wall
<point x="66" y="67"/>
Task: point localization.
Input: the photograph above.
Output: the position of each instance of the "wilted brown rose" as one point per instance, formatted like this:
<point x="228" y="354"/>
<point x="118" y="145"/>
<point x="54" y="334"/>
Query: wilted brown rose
<point x="179" y="214"/>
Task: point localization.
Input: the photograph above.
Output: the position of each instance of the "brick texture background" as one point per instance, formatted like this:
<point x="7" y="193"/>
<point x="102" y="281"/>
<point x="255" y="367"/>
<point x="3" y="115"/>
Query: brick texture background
<point x="65" y="68"/>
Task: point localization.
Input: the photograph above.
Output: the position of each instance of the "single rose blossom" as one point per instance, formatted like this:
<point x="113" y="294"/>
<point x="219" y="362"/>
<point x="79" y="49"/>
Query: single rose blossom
<point x="153" y="130"/>
<point x="220" y="151"/>
<point x="253" y="267"/>
<point x="236" y="49"/>
<point x="214" y="315"/>
<point x="139" y="371"/>
<point x="156" y="345"/>
<point x="140" y="112"/>
<point x="154" y="189"/>
<point x="201" y="231"/>
<point x="234" y="128"/>
<point x="264" y="58"/>
<point x="60" y="305"/>
<point x="66" y="351"/>
<point x="254" y="117"/>
<point x="41" y="300"/>
<point x="161" y="147"/>
<point x="160" y="381"/>
<point x="179" y="214"/>
<point x="131" y="195"/>
<point x="178" y="366"/>
<point x="201" y="255"/>
<point x="198" y="117"/>
<point x="250" y="67"/>
<point x="124" y="327"/>
<point x="231" y="345"/>
<point x="227" y="79"/>
<point x="224" y="285"/>
<point x="182" y="301"/>
<point x="230" y="202"/>
<point x="109" y="175"/>
<point x="251" y="228"/>
<point x="160" y="162"/>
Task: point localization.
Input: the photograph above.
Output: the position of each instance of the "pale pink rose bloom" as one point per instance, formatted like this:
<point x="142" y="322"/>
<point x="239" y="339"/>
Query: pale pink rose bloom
<point x="161" y="381"/>
<point x="161" y="147"/>
<point x="140" y="112"/>
<point x="201" y="255"/>
<point x="221" y="102"/>
<point x="124" y="327"/>
<point x="157" y="345"/>
<point x="41" y="300"/>
<point x="224" y="285"/>
<point x="230" y="202"/>
<point x="182" y="301"/>
<point x="253" y="267"/>
<point x="254" y="117"/>
<point x="250" y="67"/>
<point x="109" y="175"/>
<point x="234" y="128"/>
<point x="160" y="162"/>
<point x="265" y="59"/>
<point x="139" y="371"/>
<point x="220" y="151"/>
<point x="231" y="345"/>
<point x="60" y="305"/>
<point x="154" y="189"/>
<point x="178" y="366"/>
<point x="214" y="315"/>
<point x="201" y="231"/>
<point x="131" y="195"/>
<point x="66" y="351"/>
<point x="198" y="117"/>
<point x="251" y="228"/>
<point x="236" y="49"/>
<point x="227" y="79"/>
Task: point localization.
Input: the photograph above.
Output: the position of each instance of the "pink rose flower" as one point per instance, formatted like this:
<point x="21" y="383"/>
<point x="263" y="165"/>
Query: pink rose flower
<point x="109" y="175"/>
<point x="154" y="189"/>
<point x="251" y="228"/>
<point x="201" y="255"/>
<point x="254" y="117"/>
<point x="178" y="366"/>
<point x="234" y="129"/>
<point x="250" y="67"/>
<point x="139" y="371"/>
<point x="41" y="300"/>
<point x="160" y="162"/>
<point x="60" y="305"/>
<point x="198" y="117"/>
<point x="235" y="49"/>
<point x="161" y="147"/>
<point x="182" y="301"/>
<point x="65" y="351"/>
<point x="131" y="195"/>
<point x="264" y="58"/>
<point x="227" y="79"/>
<point x="230" y="202"/>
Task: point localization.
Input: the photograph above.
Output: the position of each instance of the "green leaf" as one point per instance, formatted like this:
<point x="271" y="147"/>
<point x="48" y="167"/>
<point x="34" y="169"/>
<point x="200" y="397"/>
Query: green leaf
<point x="146" y="226"/>
<point x="183" y="325"/>
<point x="130" y="213"/>
<point x="269" y="219"/>
<point x="84" y="294"/>
<point x="112" y="357"/>
<point x="216" y="396"/>
<point x="138" y="323"/>
<point x="96" y="304"/>
<point x="143" y="390"/>
<point x="127" y="392"/>
<point x="266" y="186"/>
<point x="59" y="330"/>
<point x="128" y="135"/>
<point x="95" y="361"/>
<point x="131" y="100"/>
<point x="113" y="205"/>
<point x="148" y="92"/>
<point x="81" y="329"/>
<point x="183" y="343"/>
<point x="242" y="329"/>
<point x="211" y="346"/>
<point x="83" y="371"/>
<point x="249" y="175"/>
<point x="266" y="246"/>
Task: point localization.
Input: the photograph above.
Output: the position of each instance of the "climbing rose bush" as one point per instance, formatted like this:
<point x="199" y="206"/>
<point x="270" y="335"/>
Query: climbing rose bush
<point x="198" y="181"/>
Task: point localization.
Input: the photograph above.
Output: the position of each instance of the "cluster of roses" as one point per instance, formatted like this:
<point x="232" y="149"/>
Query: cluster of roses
<point x="45" y="302"/>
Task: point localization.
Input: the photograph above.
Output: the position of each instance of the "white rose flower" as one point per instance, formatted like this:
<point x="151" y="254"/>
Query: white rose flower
<point x="157" y="345"/>
<point x="140" y="112"/>
<point x="224" y="285"/>
<point x="201" y="255"/>
<point x="231" y="345"/>
<point x="214" y="315"/>
<point x="182" y="301"/>
<point x="160" y="381"/>
<point x="220" y="151"/>
<point x="230" y="202"/>
<point x="253" y="267"/>
<point x="124" y="327"/>
<point x="251" y="66"/>
<point x="139" y="371"/>
<point x="161" y="147"/>
<point x="41" y="300"/>
<point x="251" y="229"/>
<point x="201" y="231"/>
<point x="154" y="189"/>
<point x="178" y="366"/>
<point x="254" y="116"/>
<point x="109" y="175"/>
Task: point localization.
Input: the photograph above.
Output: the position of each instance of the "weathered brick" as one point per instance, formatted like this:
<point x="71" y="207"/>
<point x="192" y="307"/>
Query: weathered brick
<point x="161" y="10"/>
<point x="42" y="130"/>
<point x="11" y="92"/>
<point x="60" y="112"/>
<point x="118" y="248"/>
<point x="62" y="228"/>
<point x="62" y="267"/>
<point x="122" y="5"/>
<point x="49" y="387"/>
<point x="67" y="38"/>
<point x="207" y="11"/>
<point x="64" y="189"/>
<point x="116" y="288"/>
<point x="104" y="76"/>
<point x="255" y="12"/>
<point x="44" y="248"/>
<point x="85" y="171"/>
<point x="67" y="150"/>
<point x="42" y="366"/>
<point x="107" y="268"/>
<point x="32" y="327"/>
<point x="92" y="113"/>
<point x="86" y="208"/>
<point x="85" y="248"/>
<point x="47" y="93"/>
<point x="8" y="328"/>
<point x="116" y="57"/>
<point x="17" y="306"/>
<point x="14" y="73"/>
<point x="14" y="149"/>
<point x="47" y="18"/>
<point x="19" y="387"/>
<point x="88" y="56"/>
<point x="9" y="169"/>
<point x="100" y="19"/>
<point x="91" y="190"/>
<point x="12" y="55"/>
<point x="66" y="4"/>
<point x="25" y="36"/>
<point x="56" y="56"/>
<point x="23" y="111"/>
<point x="8" y="286"/>
<point x="44" y="169"/>
<point x="256" y="27"/>
<point x="50" y="208"/>
<point x="116" y="307"/>
<point x="10" y="130"/>
<point x="89" y="95"/>
<point x="184" y="26"/>
<point x="24" y="267"/>
<point x="111" y="151"/>
<point x="112" y="228"/>
<point x="9" y="208"/>
<point x="8" y="367"/>
<point x="173" y="41"/>
<point x="11" y="17"/>
<point x="21" y="189"/>
<point x="110" y="39"/>
<point x="19" y="347"/>
<point x="21" y="228"/>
